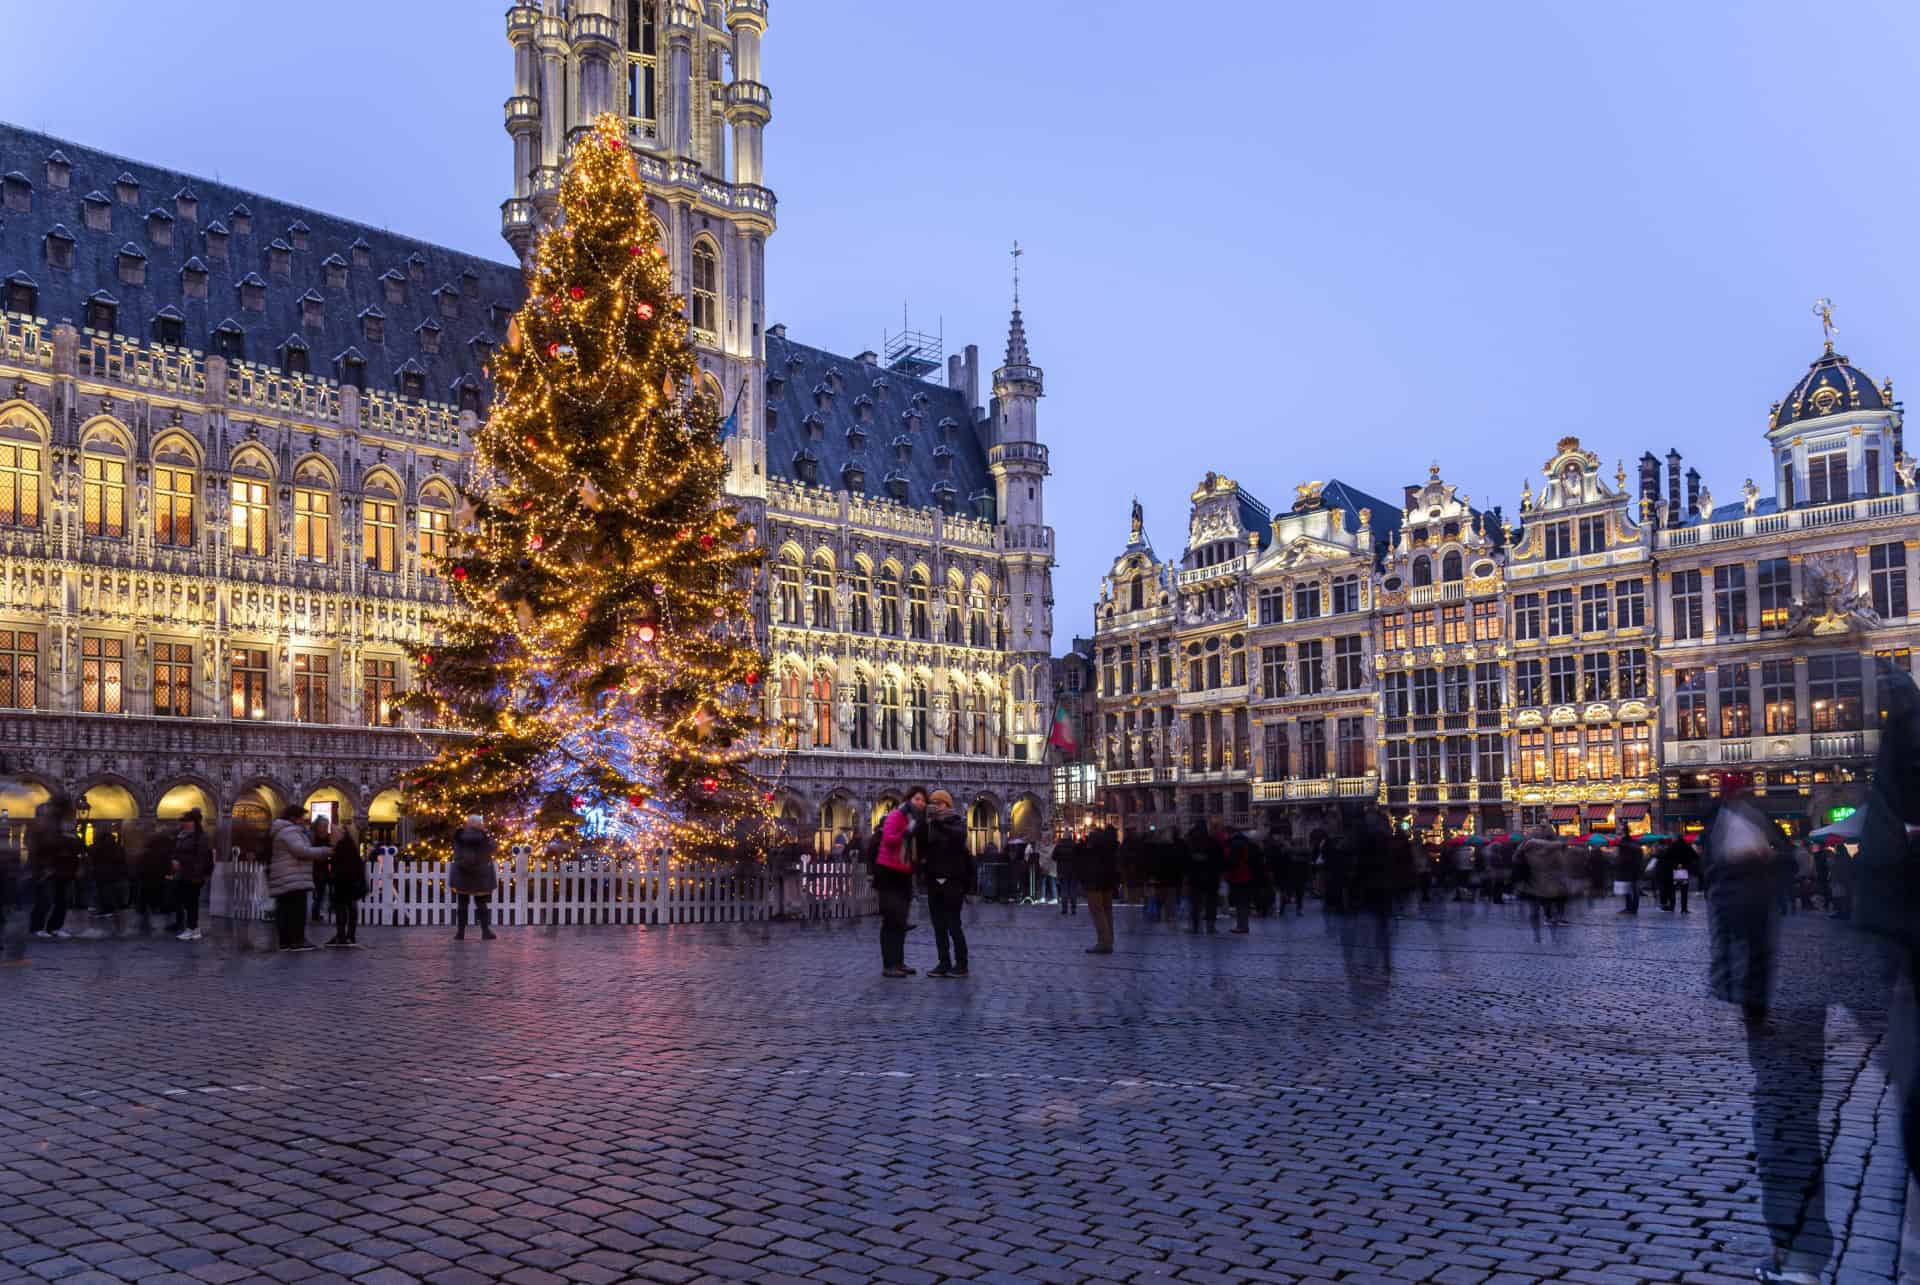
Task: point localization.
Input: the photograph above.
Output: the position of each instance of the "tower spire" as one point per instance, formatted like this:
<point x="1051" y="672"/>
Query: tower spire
<point x="1017" y="354"/>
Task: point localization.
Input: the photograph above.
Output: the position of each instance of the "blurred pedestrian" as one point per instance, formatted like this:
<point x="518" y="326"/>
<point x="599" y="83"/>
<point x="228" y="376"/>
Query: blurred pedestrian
<point x="1545" y="856"/>
<point x="152" y="867"/>
<point x="474" y="877"/>
<point x="1203" y="874"/>
<point x="1066" y="858"/>
<point x="1100" y="876"/>
<point x="1627" y="861"/>
<point x="1238" y="864"/>
<point x="53" y="862"/>
<point x="290" y="877"/>
<point x="114" y="887"/>
<point x="895" y="843"/>
<point x="347" y="879"/>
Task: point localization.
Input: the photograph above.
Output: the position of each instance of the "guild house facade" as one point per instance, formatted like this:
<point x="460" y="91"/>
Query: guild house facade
<point x="232" y="432"/>
<point x="1596" y="666"/>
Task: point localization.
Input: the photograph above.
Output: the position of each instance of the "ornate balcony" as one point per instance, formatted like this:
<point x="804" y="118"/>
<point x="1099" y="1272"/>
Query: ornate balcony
<point x="1812" y="518"/>
<point x="749" y="100"/>
<point x="523" y="113"/>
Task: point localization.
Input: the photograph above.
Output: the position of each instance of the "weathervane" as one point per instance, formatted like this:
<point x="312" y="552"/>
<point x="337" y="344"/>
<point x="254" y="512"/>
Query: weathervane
<point x="1823" y="309"/>
<point x="1017" y="252"/>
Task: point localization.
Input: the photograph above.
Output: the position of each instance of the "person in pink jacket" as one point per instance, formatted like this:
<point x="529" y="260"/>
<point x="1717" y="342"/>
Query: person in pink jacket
<point x="895" y="845"/>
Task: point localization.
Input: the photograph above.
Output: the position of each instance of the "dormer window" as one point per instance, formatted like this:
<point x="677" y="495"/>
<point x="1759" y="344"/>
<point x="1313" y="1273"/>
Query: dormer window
<point x="230" y="340"/>
<point x="159" y="227"/>
<point x="983" y="506"/>
<point x="835" y="380"/>
<point x="448" y="297"/>
<point x="299" y="234"/>
<point x="280" y="259"/>
<point x="863" y="409"/>
<point x="948" y="425"/>
<point x="373" y="326"/>
<point x="362" y="253"/>
<point x="60" y="246"/>
<point x="469" y="396"/>
<point x="240" y="219"/>
<point x="943" y="458"/>
<point x="16" y="191"/>
<point x="429" y="333"/>
<point x="897" y="486"/>
<point x="903" y="448"/>
<point x="59" y="171"/>
<point x="498" y="315"/>
<point x="217" y="241"/>
<point x="295" y="357"/>
<point x="911" y="418"/>
<point x="416" y="266"/>
<point x="881" y="386"/>
<point x="103" y="310"/>
<point x="193" y="279"/>
<point x="396" y="287"/>
<point x="822" y="395"/>
<point x="856" y="438"/>
<point x="336" y="268"/>
<point x="22" y="295"/>
<point x="126" y="190"/>
<point x="816" y="427"/>
<point x="412" y="382"/>
<point x="96" y="212"/>
<point x="795" y="361"/>
<point x="947" y="496"/>
<point x="806" y="467"/>
<point x="351" y="368"/>
<point x="169" y="327"/>
<point x="313" y="310"/>
<point x="186" y="205"/>
<point x="132" y="265"/>
<point x="253" y="293"/>
<point x="482" y="349"/>
<point x="853" y="476"/>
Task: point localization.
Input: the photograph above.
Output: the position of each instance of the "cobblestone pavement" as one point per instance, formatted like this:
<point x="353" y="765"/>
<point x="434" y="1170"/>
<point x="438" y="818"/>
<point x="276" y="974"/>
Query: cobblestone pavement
<point x="759" y="1104"/>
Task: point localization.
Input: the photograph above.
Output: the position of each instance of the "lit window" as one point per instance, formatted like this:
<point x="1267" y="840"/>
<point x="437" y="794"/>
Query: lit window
<point x="312" y="524"/>
<point x="103" y="675"/>
<point x="434" y="524"/>
<point x="172" y="680"/>
<point x="379" y="692"/>
<point x="311" y="687"/>
<point x="250" y="512"/>
<point x="19" y="669"/>
<point x="820" y="697"/>
<point x="103" y="496"/>
<point x="379" y="533"/>
<point x="249" y="685"/>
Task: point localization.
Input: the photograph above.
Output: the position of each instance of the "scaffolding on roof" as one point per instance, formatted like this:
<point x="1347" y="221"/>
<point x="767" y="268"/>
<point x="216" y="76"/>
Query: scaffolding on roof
<point x="914" y="353"/>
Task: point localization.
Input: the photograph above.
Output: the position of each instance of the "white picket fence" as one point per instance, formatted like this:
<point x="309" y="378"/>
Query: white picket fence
<point x="636" y="890"/>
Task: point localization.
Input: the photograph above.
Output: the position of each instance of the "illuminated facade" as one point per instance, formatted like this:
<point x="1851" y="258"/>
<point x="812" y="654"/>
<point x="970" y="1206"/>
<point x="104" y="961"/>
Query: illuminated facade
<point x="232" y="432"/>
<point x="1582" y="711"/>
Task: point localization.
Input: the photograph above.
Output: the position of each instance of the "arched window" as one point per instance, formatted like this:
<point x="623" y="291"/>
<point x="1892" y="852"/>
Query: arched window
<point x="863" y="712"/>
<point x="1018" y="691"/>
<point x="1237" y="669"/>
<point x="821" y="698"/>
<point x="434" y="520"/>
<point x="313" y="513"/>
<point x="787" y="588"/>
<point x="977" y="702"/>
<point x="956" y="702"/>
<point x="705" y="295"/>
<point x="103" y="484"/>
<point x="173" y="488"/>
<point x="21" y="455"/>
<point x="955" y="608"/>
<point x="983" y="827"/>
<point x="977" y="634"/>
<point x="860" y="582"/>
<point x="1450" y="570"/>
<point x="251" y="493"/>
<point x="1422" y="571"/>
<point x="889" y="713"/>
<point x="917" y="717"/>
<point x="887" y="589"/>
<point x="380" y="523"/>
<point x="917" y="604"/>
<point x="793" y="708"/>
<point x="820" y="590"/>
<point x="1137" y="593"/>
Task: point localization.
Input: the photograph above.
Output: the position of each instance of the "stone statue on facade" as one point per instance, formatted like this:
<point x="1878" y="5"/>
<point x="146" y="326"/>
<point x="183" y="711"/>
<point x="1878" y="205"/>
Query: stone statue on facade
<point x="1832" y="602"/>
<point x="1136" y="534"/>
<point x="1750" y="496"/>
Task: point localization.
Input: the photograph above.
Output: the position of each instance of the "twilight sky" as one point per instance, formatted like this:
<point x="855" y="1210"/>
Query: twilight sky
<point x="1347" y="241"/>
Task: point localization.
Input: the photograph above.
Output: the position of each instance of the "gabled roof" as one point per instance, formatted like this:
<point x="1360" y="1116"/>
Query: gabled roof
<point x="63" y="292"/>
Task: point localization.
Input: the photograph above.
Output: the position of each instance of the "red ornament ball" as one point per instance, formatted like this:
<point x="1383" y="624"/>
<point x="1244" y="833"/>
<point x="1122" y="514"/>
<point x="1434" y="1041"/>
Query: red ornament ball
<point x="536" y="543"/>
<point x="635" y="251"/>
<point x="530" y="445"/>
<point x="553" y="350"/>
<point x="710" y="785"/>
<point x="767" y="797"/>
<point x="556" y="305"/>
<point x="579" y="800"/>
<point x="753" y="677"/>
<point x="685" y="533"/>
<point x="636" y="800"/>
<point x="459" y="573"/>
<point x="706" y="542"/>
<point x="576" y="292"/>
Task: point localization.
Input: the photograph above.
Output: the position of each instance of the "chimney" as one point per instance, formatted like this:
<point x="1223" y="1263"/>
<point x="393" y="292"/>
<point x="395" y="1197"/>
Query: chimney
<point x="954" y="368"/>
<point x="1693" y="490"/>
<point x="1649" y="509"/>
<point x="1673" y="488"/>
<point x="973" y="375"/>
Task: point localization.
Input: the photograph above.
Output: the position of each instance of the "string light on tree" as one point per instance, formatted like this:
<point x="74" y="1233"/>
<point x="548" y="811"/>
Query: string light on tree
<point x="600" y="655"/>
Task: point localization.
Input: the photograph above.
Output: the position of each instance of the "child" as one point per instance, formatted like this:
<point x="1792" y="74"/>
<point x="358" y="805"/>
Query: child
<point x="347" y="872"/>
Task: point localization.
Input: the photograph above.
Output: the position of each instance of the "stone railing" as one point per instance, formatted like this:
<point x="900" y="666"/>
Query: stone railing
<point x="1326" y="787"/>
<point x="264" y="388"/>
<point x="25" y="341"/>
<point x="123" y="360"/>
<point x="385" y="412"/>
<point x="1813" y="518"/>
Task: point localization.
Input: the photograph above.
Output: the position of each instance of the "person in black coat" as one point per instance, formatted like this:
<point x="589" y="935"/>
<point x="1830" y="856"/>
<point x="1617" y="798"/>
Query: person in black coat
<point x="1628" y="861"/>
<point x="1099" y="878"/>
<point x="347" y="875"/>
<point x="1065" y="855"/>
<point x="1204" y="857"/>
<point x="950" y="873"/>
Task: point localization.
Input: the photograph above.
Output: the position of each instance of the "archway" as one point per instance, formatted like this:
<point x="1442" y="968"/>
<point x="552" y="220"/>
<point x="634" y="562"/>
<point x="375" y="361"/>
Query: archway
<point x="252" y="814"/>
<point x="19" y="799"/>
<point x="333" y="804"/>
<point x="983" y="825"/>
<point x="106" y="809"/>
<point x="836" y="822"/>
<point x="383" y="818"/>
<point x="885" y="804"/>
<point x="1027" y="818"/>
<point x="182" y="799"/>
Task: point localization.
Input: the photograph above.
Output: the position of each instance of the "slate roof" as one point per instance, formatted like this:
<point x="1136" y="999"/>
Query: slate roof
<point x="849" y="425"/>
<point x="1852" y="389"/>
<point x="1385" y="519"/>
<point x="291" y="251"/>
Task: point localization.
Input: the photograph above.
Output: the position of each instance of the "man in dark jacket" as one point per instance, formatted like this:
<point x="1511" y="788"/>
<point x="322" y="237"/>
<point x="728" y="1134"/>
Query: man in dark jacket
<point x="1066" y="856"/>
<point x="1099" y="876"/>
<point x="1203" y="875"/>
<point x="191" y="867"/>
<point x="1627" y="864"/>
<point x="949" y="870"/>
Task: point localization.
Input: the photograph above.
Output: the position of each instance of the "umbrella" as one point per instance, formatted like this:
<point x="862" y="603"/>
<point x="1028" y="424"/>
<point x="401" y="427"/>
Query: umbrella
<point x="1600" y="840"/>
<point x="1845" y="828"/>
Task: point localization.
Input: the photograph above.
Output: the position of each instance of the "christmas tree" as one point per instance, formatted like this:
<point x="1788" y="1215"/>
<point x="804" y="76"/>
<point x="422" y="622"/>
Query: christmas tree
<point x="601" y="654"/>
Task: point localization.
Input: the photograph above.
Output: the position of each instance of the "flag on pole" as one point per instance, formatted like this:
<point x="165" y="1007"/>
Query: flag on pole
<point x="1062" y="736"/>
<point x="732" y="423"/>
